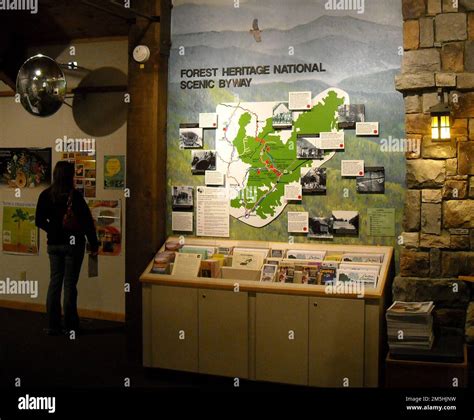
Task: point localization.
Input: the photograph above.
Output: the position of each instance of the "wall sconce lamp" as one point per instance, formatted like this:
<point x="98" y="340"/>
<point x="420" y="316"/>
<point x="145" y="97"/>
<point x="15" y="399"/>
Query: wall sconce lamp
<point x="441" y="119"/>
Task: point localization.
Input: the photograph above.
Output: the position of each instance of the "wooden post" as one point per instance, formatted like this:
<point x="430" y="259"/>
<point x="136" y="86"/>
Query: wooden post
<point x="146" y="156"/>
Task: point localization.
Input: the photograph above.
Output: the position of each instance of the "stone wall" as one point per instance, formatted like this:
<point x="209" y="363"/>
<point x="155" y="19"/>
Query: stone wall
<point x="439" y="211"/>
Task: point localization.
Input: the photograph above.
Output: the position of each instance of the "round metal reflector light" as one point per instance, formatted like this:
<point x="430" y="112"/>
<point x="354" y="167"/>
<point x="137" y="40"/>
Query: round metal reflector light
<point x="41" y="85"/>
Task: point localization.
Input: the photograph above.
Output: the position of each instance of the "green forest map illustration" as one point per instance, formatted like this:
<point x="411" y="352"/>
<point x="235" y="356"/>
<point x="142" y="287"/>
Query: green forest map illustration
<point x="274" y="163"/>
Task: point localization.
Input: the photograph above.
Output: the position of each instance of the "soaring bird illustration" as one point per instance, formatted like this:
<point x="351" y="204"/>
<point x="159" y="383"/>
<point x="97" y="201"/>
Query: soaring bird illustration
<point x="255" y="31"/>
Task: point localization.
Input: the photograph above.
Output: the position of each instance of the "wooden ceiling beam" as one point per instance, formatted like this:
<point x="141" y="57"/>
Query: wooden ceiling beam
<point x="5" y="78"/>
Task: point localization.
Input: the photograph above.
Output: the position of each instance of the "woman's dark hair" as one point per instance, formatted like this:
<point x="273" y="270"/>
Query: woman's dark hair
<point x="63" y="180"/>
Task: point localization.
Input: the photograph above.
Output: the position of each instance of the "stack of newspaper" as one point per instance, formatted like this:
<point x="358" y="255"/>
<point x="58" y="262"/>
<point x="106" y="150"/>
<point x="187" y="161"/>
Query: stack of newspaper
<point x="410" y="325"/>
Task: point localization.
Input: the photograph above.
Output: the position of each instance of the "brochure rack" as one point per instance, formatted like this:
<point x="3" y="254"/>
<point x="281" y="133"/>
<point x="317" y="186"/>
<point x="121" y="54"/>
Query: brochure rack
<point x="288" y="333"/>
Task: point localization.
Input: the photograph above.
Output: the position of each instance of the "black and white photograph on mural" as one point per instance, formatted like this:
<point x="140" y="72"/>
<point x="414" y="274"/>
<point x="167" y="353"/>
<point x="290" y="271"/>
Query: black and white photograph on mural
<point x="313" y="180"/>
<point x="182" y="197"/>
<point x="190" y="137"/>
<point x="373" y="181"/>
<point x="202" y="161"/>
<point x="321" y="228"/>
<point x="345" y="222"/>
<point x="349" y="115"/>
<point x="307" y="147"/>
<point x="282" y="116"/>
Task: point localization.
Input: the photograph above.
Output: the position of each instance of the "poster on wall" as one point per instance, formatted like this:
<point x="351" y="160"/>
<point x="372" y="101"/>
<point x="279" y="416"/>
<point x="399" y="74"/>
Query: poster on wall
<point x="85" y="172"/>
<point x="25" y="168"/>
<point x="114" y="172"/>
<point x="262" y="141"/>
<point x="107" y="216"/>
<point x="19" y="233"/>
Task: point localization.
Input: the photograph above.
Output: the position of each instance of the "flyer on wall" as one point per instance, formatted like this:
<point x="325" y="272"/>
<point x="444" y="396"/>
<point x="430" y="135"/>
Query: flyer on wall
<point x="114" y="172"/>
<point x="19" y="232"/>
<point x="25" y="168"/>
<point x="85" y="172"/>
<point x="212" y="214"/>
<point x="107" y="216"/>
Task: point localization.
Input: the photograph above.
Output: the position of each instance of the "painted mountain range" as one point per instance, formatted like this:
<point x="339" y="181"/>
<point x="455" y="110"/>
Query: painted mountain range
<point x="345" y="46"/>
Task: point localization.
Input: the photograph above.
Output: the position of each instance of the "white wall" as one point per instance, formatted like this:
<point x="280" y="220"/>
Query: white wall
<point x="20" y="129"/>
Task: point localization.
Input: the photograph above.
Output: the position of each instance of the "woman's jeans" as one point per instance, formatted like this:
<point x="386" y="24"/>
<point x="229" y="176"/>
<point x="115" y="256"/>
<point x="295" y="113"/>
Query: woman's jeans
<point x="65" y="262"/>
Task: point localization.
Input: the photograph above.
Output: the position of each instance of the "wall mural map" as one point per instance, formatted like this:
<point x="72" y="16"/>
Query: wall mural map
<point x="339" y="55"/>
<point x="258" y="160"/>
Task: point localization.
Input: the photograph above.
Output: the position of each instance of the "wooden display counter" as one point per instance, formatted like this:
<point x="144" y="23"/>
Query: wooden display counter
<point x="278" y="332"/>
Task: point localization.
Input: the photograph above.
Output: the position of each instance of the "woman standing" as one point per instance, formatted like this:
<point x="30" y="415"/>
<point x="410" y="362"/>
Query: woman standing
<point x="66" y="244"/>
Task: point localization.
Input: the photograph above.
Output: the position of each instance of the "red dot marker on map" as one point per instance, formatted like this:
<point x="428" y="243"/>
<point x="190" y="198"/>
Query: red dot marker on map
<point x="341" y="146"/>
<point x="258" y="172"/>
<point x="361" y="173"/>
<point x="376" y="132"/>
<point x="225" y="128"/>
<point x="214" y="124"/>
<point x="299" y="197"/>
<point x="305" y="228"/>
<point x="308" y="106"/>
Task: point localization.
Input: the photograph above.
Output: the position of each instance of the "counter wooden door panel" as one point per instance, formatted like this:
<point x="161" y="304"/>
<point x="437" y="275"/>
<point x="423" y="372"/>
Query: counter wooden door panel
<point x="175" y="328"/>
<point x="336" y="342"/>
<point x="282" y="338"/>
<point x="223" y="333"/>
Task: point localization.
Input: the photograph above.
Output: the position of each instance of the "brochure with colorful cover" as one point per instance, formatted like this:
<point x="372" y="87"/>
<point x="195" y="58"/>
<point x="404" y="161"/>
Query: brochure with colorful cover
<point x="328" y="275"/>
<point x="286" y="273"/>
